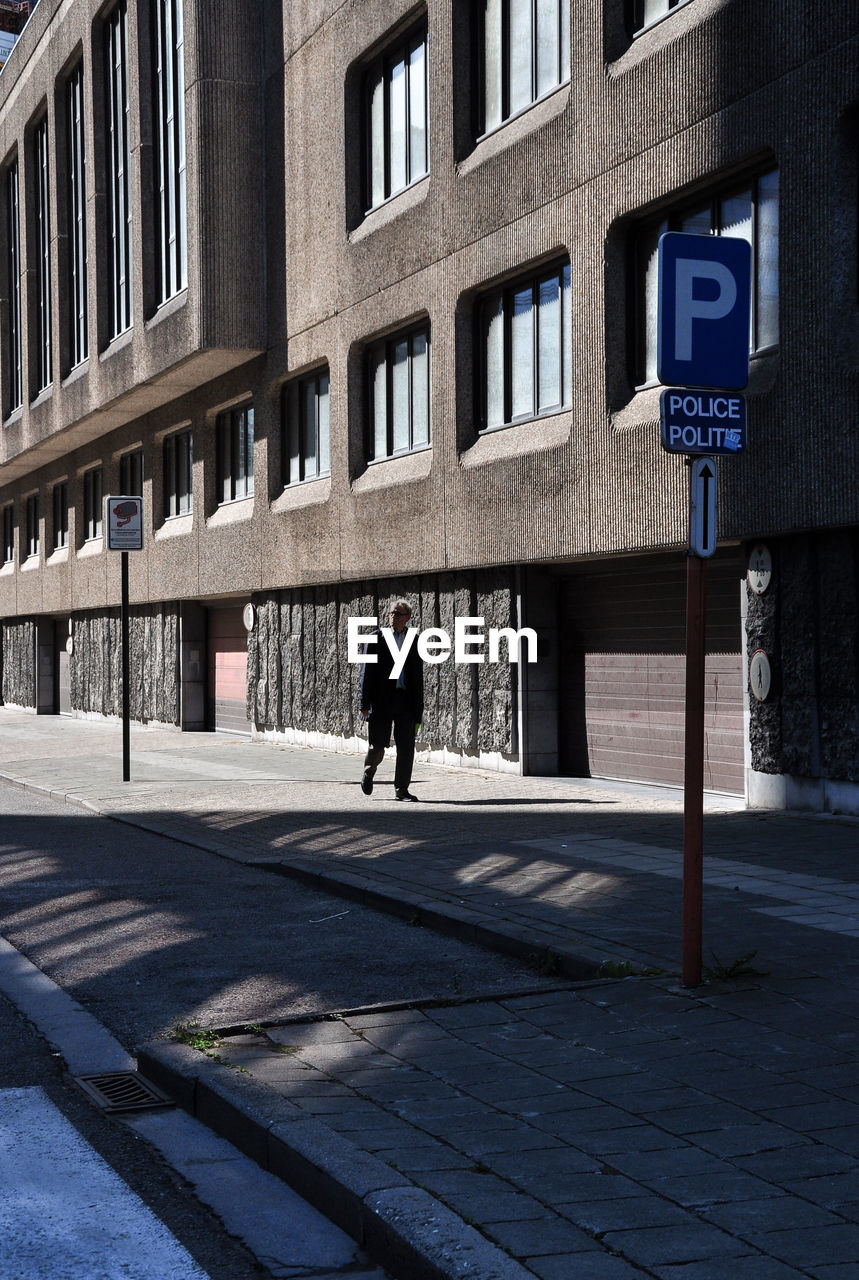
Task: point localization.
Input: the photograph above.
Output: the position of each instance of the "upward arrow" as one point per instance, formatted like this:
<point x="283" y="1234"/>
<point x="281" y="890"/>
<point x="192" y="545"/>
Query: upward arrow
<point x="708" y="477"/>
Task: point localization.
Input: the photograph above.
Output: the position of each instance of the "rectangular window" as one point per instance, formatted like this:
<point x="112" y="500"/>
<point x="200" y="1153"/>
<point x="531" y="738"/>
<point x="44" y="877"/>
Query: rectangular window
<point x="14" y="360"/>
<point x="60" y="505"/>
<point x="526" y="348"/>
<point x="399" y="393"/>
<point x="8" y="534"/>
<point x="169" y="131"/>
<point x="77" y="260"/>
<point x="44" y="371"/>
<point x="524" y="54"/>
<point x="235" y="445"/>
<point x="646" y="12"/>
<point x="118" y="169"/>
<point x="32" y="524"/>
<point x="177" y="475"/>
<point x="305" y="429"/>
<point x="131" y="473"/>
<point x="396" y="96"/>
<point x="93" y="503"/>
<point x="748" y="211"/>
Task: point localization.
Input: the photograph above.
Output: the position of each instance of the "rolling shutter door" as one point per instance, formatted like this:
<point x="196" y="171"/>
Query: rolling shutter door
<point x="623" y="674"/>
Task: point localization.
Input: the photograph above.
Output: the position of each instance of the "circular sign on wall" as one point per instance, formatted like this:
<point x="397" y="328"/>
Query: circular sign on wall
<point x="760" y="569"/>
<point x="760" y="675"/>
<point x="248" y="615"/>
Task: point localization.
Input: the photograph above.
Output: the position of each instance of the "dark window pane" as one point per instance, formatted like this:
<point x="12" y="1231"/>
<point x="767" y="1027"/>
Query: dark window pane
<point x="14" y="364"/>
<point x="747" y="212"/>
<point x="119" y="169"/>
<point x="525" y="50"/>
<point x="396" y="119"/>
<point x="324" y="426"/>
<point x="169" y="107"/>
<point x="549" y="344"/>
<point x="766" y="334"/>
<point x="520" y="55"/>
<point x="526" y="336"/>
<point x="522" y="353"/>
<point x="398" y="376"/>
<point x="494" y="362"/>
<point x="310" y="428"/>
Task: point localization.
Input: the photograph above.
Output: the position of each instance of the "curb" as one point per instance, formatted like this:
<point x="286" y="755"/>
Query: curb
<point x="402" y="1227"/>
<point x="450" y="919"/>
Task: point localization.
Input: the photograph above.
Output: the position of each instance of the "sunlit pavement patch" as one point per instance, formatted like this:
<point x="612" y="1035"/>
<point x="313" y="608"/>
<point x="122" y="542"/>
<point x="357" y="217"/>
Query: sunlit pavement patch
<point x="64" y="1213"/>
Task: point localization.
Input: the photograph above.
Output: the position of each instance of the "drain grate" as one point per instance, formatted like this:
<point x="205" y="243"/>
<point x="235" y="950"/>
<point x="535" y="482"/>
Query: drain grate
<point x="115" y="1091"/>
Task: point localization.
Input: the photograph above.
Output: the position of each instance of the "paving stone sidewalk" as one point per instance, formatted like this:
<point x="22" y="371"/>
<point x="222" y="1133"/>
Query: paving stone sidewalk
<point x="614" y="1129"/>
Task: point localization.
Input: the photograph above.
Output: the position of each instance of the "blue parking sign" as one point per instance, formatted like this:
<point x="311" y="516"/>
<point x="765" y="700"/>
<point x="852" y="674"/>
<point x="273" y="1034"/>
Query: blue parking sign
<point x="704" y="311"/>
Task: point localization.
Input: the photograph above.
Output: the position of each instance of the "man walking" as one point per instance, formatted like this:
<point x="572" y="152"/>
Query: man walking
<point x="392" y="702"/>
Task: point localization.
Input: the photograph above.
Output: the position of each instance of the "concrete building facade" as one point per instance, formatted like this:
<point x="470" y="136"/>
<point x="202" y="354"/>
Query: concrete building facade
<point x="360" y="297"/>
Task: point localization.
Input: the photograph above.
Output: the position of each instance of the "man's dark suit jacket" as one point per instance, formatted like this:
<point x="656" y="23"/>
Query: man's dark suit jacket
<point x="376" y="688"/>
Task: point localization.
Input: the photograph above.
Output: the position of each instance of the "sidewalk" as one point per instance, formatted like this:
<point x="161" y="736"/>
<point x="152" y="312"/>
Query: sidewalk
<point x="614" y="1129"/>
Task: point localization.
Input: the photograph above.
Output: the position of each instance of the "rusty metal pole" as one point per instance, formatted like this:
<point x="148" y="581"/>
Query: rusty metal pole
<point x="693" y="805"/>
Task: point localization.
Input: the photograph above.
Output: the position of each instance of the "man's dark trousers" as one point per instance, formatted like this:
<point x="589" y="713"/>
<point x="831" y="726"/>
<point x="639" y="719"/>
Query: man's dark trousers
<point x="398" y="712"/>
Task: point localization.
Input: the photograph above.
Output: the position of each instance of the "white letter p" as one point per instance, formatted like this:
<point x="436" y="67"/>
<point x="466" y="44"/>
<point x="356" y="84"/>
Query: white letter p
<point x="687" y="308"/>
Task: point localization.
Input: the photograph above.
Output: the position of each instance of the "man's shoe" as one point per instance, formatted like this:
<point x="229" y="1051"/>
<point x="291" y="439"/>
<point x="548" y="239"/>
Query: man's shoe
<point x="367" y="782"/>
<point x="402" y="794"/>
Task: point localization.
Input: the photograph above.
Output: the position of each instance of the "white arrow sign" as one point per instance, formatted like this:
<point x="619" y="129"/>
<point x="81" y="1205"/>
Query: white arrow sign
<point x="702" y="507"/>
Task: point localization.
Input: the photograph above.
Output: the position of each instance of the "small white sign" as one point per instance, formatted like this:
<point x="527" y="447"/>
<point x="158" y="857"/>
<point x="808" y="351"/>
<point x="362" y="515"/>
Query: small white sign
<point x="123" y="518"/>
<point x="760" y="570"/>
<point x="760" y="675"/>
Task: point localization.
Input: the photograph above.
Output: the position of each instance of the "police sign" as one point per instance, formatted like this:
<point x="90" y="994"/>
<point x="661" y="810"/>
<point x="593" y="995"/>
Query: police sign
<point x="704" y="310"/>
<point x="697" y="422"/>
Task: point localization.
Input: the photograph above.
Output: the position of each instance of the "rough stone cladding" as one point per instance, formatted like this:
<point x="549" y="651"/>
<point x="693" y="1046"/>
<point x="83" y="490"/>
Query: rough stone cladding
<point x="95" y="676"/>
<point x="18" y="662"/>
<point x="807" y="622"/>
<point x="299" y="677"/>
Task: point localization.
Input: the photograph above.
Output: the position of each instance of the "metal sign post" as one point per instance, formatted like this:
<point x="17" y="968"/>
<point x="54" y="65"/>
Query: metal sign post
<point x="124" y="647"/>
<point x="693" y="781"/>
<point x="702" y="544"/>
<point x="702" y="342"/>
<point x="124" y="524"/>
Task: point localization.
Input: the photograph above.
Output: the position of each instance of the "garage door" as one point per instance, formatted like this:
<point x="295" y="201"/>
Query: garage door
<point x="228" y="670"/>
<point x="623" y="674"/>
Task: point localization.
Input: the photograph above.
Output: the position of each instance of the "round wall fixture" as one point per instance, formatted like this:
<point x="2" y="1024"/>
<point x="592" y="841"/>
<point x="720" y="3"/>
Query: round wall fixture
<point x="760" y="571"/>
<point x="248" y="616"/>
<point x="70" y="646"/>
<point x="760" y="675"/>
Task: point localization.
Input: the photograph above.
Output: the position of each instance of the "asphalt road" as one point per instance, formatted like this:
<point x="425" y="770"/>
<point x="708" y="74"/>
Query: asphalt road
<point x="148" y="933"/>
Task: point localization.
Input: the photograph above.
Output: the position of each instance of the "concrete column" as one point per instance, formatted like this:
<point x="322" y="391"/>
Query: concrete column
<point x="540" y="680"/>
<point x="45" y="664"/>
<point x="192" y="666"/>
